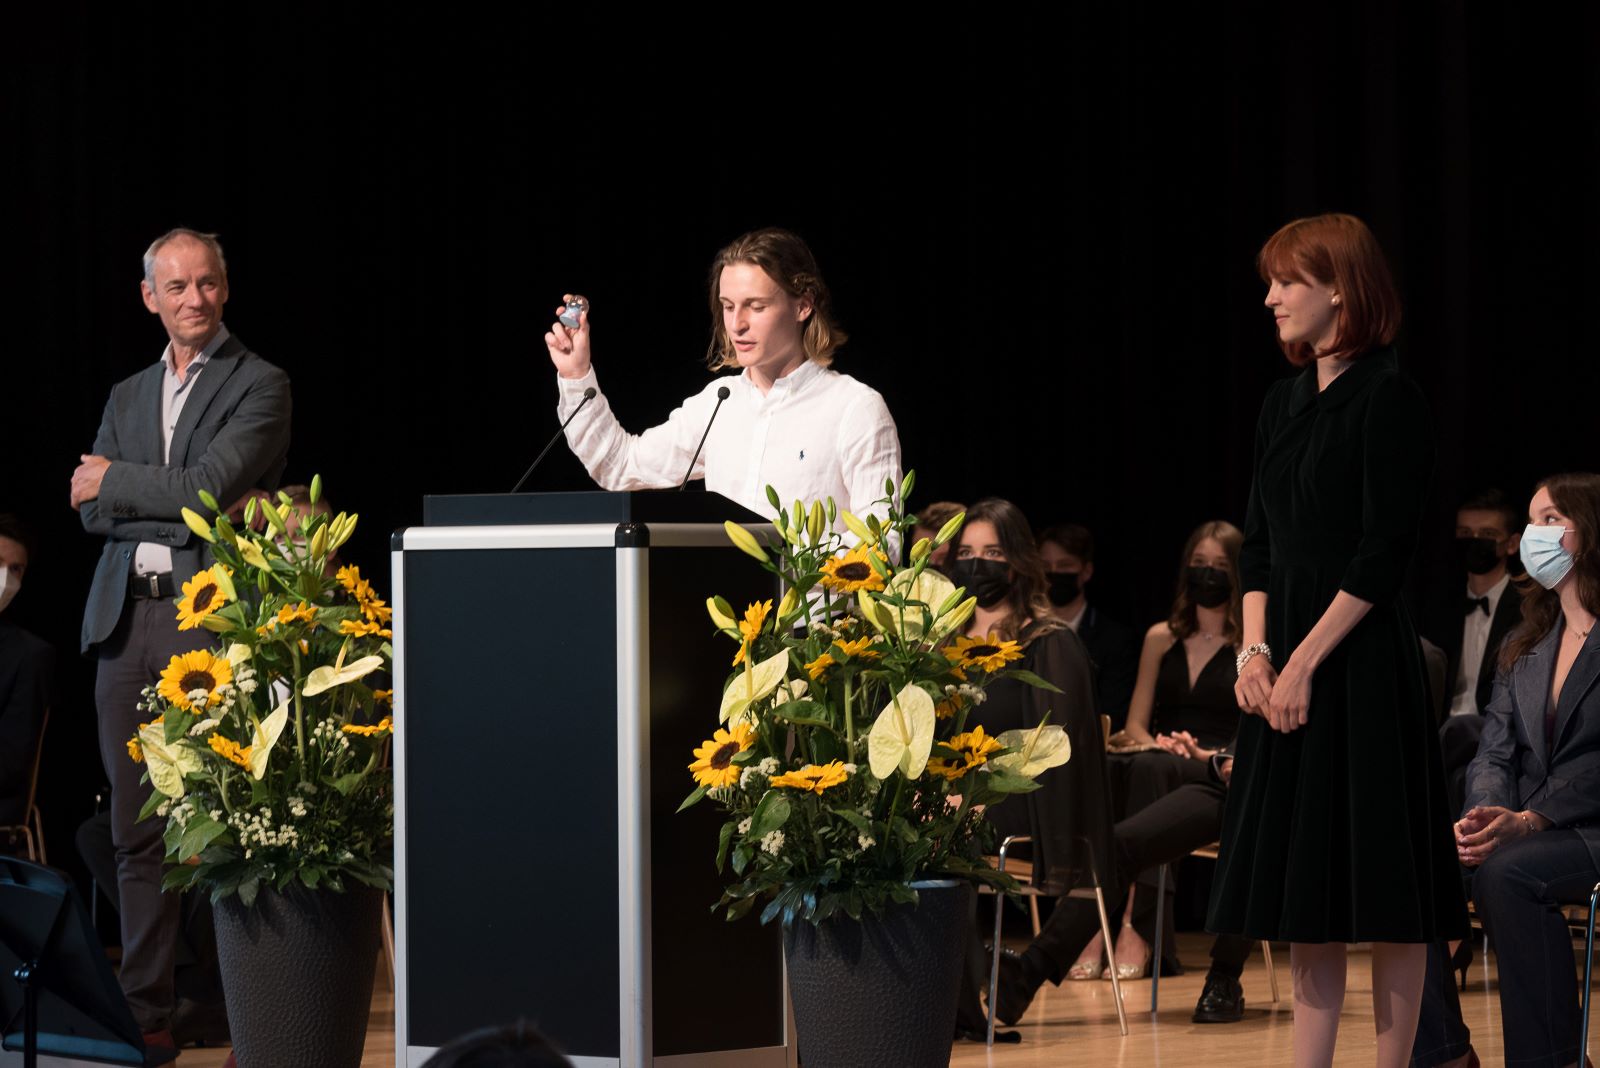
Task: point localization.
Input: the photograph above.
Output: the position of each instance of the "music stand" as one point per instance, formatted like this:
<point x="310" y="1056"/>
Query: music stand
<point x="57" y="993"/>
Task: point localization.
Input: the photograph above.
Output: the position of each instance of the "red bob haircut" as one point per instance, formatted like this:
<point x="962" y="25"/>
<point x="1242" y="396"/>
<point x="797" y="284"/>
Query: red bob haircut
<point x="1340" y="252"/>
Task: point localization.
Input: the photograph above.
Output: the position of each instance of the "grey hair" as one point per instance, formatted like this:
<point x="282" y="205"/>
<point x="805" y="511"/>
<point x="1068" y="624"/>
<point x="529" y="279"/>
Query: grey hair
<point x="208" y="240"/>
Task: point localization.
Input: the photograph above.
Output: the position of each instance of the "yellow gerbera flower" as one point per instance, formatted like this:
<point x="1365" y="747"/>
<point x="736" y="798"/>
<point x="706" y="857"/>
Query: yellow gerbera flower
<point x="860" y="647"/>
<point x="850" y="572"/>
<point x="376" y="611"/>
<point x="230" y="750"/>
<point x="750" y="626"/>
<point x="819" y="667"/>
<point x="201" y="597"/>
<point x="361" y="628"/>
<point x="134" y="752"/>
<point x="949" y="706"/>
<point x="985" y="654"/>
<point x="350" y="578"/>
<point x="386" y="696"/>
<point x="384" y="724"/>
<point x="813" y="777"/>
<point x="973" y="748"/>
<point x="298" y="613"/>
<point x="199" y="670"/>
<point x="713" y="767"/>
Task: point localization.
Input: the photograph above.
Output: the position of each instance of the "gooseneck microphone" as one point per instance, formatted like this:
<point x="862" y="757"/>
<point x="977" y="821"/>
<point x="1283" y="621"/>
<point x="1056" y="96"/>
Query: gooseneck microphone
<point x="722" y="395"/>
<point x="588" y="395"/>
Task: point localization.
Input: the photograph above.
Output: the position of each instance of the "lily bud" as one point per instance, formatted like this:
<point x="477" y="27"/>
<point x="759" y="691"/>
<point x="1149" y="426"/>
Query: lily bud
<point x="921" y="549"/>
<point x="857" y="527"/>
<point x="201" y="528"/>
<point x="319" y="542"/>
<point x="209" y="501"/>
<point x="950" y="528"/>
<point x="721" y="613"/>
<point x="814" y="522"/>
<point x="316" y="488"/>
<point x="744" y="541"/>
<point x="789" y="604"/>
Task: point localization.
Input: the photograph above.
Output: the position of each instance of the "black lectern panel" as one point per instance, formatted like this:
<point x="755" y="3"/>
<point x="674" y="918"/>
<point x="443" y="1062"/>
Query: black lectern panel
<point x="511" y="769"/>
<point x="644" y="506"/>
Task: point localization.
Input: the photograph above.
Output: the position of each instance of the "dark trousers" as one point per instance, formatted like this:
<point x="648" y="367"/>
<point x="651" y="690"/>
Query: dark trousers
<point x="145" y="639"/>
<point x="1139" y="780"/>
<point x="1162" y="832"/>
<point x="1442" y="1035"/>
<point x="1516" y="891"/>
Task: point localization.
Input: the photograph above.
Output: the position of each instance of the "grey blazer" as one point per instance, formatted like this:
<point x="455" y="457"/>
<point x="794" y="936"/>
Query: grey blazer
<point x="232" y="436"/>
<point x="1512" y="767"/>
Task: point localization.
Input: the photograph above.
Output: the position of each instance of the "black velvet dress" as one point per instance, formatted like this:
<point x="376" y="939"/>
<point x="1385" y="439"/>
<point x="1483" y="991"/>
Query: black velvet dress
<point x="1339" y="831"/>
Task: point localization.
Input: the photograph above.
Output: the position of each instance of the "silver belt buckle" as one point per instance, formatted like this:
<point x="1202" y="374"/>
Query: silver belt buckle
<point x="155" y="584"/>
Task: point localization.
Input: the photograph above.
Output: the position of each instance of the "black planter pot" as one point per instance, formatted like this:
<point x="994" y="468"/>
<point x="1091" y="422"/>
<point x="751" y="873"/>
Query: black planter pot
<point x="881" y="991"/>
<point x="297" y="970"/>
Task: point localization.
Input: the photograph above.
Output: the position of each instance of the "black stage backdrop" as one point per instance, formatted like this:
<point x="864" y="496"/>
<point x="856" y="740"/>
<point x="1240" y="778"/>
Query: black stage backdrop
<point x="1040" y="233"/>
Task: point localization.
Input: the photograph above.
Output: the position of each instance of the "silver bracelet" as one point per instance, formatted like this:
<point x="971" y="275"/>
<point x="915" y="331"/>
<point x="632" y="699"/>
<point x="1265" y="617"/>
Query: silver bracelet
<point x="1248" y="653"/>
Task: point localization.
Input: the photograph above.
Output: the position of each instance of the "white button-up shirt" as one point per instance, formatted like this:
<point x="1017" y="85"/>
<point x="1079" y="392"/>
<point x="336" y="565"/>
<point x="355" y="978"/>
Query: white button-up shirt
<point x="1474" y="644"/>
<point x="151" y="557"/>
<point x="815" y="434"/>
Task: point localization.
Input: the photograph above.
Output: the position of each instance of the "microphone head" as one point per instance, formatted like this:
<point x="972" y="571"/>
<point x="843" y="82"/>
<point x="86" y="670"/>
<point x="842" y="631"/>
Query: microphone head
<point x="589" y="393"/>
<point x="722" y="393"/>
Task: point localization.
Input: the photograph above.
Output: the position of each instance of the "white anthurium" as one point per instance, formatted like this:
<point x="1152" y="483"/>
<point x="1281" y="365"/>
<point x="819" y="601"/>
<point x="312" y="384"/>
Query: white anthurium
<point x="750" y="686"/>
<point x="167" y="764"/>
<point x="237" y="656"/>
<point x="326" y="678"/>
<point x="930" y="587"/>
<point x="1033" y="752"/>
<point x="903" y="735"/>
<point x="265" y="737"/>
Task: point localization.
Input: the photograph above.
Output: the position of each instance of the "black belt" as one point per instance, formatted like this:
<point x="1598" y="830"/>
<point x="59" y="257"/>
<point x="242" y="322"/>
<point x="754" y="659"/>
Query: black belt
<point x="156" y="586"/>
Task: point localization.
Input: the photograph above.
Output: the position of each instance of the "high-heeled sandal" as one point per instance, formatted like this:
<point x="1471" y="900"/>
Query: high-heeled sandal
<point x="1461" y="960"/>
<point x="1086" y="967"/>
<point x="1129" y="971"/>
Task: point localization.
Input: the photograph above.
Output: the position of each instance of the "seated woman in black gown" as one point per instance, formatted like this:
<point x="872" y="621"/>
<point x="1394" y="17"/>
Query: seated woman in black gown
<point x="1532" y="823"/>
<point x="1182" y="702"/>
<point x="1068" y="817"/>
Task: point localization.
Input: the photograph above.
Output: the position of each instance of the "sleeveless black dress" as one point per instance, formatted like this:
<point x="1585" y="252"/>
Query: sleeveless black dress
<point x="1339" y="831"/>
<point x="1209" y="710"/>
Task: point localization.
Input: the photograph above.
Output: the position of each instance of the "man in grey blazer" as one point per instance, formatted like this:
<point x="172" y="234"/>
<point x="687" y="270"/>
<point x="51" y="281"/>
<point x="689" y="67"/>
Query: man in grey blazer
<point x="210" y="415"/>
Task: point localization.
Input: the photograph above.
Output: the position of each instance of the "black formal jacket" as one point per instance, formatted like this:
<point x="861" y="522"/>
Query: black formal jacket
<point x="1446" y="626"/>
<point x="1517" y="768"/>
<point x="26" y="664"/>
<point x="1114" y="651"/>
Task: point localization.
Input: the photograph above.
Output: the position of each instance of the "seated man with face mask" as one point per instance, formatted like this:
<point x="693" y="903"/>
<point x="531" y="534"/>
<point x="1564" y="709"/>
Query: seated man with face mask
<point x="26" y="670"/>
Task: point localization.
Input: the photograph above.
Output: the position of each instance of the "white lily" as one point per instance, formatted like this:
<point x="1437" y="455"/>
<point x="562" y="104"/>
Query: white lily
<point x="1033" y="751"/>
<point x="902" y="737"/>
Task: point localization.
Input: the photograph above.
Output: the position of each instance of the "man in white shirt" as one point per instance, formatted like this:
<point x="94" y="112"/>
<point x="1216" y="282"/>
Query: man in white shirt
<point x="788" y="422"/>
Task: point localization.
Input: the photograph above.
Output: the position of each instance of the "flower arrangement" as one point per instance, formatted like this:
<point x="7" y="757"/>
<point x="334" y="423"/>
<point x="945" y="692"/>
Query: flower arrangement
<point x="852" y="761"/>
<point x="266" y="752"/>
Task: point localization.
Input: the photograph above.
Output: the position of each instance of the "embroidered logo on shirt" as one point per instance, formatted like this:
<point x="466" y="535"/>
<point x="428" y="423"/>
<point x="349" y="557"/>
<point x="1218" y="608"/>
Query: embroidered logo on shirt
<point x="802" y="454"/>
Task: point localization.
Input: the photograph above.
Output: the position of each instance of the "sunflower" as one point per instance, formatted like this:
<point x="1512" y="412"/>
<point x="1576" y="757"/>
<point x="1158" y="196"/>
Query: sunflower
<point x="201" y="597"/>
<point x="851" y="572"/>
<point x="713" y="766"/>
<point x="953" y="703"/>
<point x="384" y="724"/>
<point x="134" y="752"/>
<point x="985" y="654"/>
<point x="973" y="748"/>
<point x="813" y="777"/>
<point x="199" y="670"/>
<point x="860" y="647"/>
<point x="819" y="667"/>
<point x="230" y="750"/>
<point x="750" y="626"/>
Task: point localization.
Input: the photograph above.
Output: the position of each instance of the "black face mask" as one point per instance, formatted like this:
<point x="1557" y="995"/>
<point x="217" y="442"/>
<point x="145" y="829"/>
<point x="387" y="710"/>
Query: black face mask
<point x="987" y="580"/>
<point x="1477" y="556"/>
<point x="1064" y="587"/>
<point x="1209" y="587"/>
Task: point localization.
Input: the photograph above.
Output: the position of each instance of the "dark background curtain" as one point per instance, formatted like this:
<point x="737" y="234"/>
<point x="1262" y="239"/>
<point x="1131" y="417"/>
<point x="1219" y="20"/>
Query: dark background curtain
<point x="1040" y="231"/>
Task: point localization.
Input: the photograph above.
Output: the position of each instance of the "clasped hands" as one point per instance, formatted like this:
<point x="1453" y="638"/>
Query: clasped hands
<point x="1486" y="828"/>
<point x="1283" y="700"/>
<point x="1184" y="744"/>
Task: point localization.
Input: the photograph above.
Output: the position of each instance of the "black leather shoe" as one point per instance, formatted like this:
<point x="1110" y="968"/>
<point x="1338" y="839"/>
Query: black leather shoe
<point x="1014" y="990"/>
<point x="196" y="1024"/>
<point x="1222" y="1001"/>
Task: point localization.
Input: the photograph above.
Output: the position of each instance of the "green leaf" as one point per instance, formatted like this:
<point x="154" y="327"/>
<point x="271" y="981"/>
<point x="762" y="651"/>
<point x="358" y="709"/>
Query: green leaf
<point x="854" y="819"/>
<point x="1004" y="782"/>
<point x="771" y="814"/>
<point x="692" y="799"/>
<point x="346" y="784"/>
<point x="741" y="857"/>
<point x="724" y="839"/>
<point x="200" y="832"/>
<point x="248" y="890"/>
<point x="1030" y="678"/>
<point x="151" y="803"/>
<point x="740" y="908"/>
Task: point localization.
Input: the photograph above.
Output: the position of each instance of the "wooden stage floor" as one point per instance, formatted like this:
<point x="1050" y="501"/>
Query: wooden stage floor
<point x="1076" y="1023"/>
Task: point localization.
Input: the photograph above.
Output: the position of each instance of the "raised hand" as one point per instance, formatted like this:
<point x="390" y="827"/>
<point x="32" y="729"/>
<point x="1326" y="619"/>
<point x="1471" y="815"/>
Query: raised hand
<point x="569" y="348"/>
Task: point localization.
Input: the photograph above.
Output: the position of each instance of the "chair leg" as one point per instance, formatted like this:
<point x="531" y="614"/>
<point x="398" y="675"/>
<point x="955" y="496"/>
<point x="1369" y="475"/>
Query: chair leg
<point x="388" y="939"/>
<point x="1272" y="973"/>
<point x="38" y="830"/>
<point x="1155" y="957"/>
<point x="29" y="845"/>
<point x="994" y="958"/>
<point x="1588" y="972"/>
<point x="1105" y="932"/>
<point x="1033" y="912"/>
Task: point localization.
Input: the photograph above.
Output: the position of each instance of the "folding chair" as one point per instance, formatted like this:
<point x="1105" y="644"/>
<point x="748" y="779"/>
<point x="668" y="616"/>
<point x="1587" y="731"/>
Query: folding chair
<point x="1205" y="853"/>
<point x="31" y="829"/>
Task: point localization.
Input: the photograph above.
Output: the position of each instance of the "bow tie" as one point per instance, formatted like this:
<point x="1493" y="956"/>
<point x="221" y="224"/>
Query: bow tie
<point x="1473" y="603"/>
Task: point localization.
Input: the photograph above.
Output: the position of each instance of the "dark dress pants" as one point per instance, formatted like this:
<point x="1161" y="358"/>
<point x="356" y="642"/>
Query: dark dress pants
<point x="1517" y="890"/>
<point x="146" y="638"/>
<point x="1162" y="832"/>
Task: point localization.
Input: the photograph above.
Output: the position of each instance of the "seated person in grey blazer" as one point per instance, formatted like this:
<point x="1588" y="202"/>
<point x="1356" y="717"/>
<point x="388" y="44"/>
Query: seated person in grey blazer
<point x="1532" y="821"/>
<point x="209" y="415"/>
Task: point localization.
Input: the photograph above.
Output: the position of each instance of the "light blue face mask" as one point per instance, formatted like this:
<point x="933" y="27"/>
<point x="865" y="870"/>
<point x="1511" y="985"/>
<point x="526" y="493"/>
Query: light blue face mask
<point x="1543" y="555"/>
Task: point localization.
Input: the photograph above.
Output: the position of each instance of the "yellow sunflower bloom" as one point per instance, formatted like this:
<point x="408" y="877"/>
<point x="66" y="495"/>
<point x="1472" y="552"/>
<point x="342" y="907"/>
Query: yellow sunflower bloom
<point x="813" y="777"/>
<point x="361" y="628"/>
<point x="366" y="731"/>
<point x="949" y="706"/>
<point x="985" y="654"/>
<point x="974" y="749"/>
<point x="861" y="647"/>
<point x="850" y="572"/>
<point x="298" y="613"/>
<point x="385" y="696"/>
<point x="199" y="670"/>
<point x="755" y="617"/>
<point x="376" y="611"/>
<point x="230" y="750"/>
<point x="819" y="667"/>
<point x="350" y="578"/>
<point x="201" y="596"/>
<point x="134" y="752"/>
<point x="713" y="767"/>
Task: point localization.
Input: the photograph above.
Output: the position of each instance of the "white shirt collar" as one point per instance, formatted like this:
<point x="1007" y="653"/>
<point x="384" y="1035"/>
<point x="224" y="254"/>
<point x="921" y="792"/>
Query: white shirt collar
<point x="201" y="358"/>
<point x="1494" y="593"/>
<point x="790" y="383"/>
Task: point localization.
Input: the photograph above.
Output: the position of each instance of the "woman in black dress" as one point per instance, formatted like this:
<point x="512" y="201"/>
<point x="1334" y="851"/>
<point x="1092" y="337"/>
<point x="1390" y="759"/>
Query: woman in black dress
<point x="1182" y="704"/>
<point x="1336" y="828"/>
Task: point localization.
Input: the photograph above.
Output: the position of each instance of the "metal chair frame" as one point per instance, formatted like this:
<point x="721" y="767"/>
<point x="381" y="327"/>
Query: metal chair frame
<point x="32" y="836"/>
<point x="1205" y="853"/>
<point x="1083" y="893"/>
<point x="1588" y="972"/>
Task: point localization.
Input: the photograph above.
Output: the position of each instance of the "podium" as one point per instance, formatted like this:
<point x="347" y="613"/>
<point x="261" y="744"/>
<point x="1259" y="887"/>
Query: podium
<point x="554" y="669"/>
